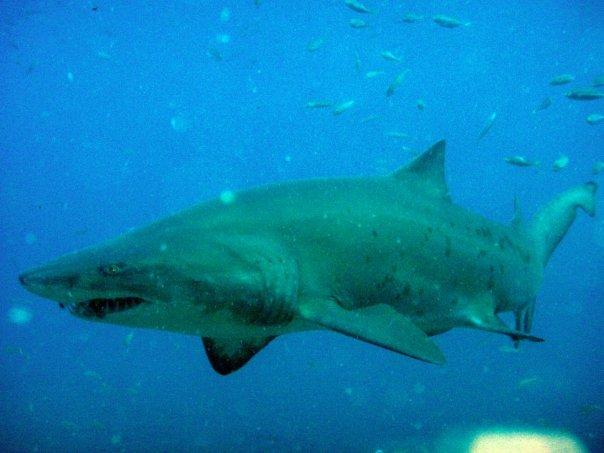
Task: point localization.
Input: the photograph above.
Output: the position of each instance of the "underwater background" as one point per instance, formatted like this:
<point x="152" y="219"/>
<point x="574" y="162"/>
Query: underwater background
<point x="115" y="114"/>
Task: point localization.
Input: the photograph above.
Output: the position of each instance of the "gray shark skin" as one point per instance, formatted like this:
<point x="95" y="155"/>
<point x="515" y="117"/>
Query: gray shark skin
<point x="388" y="260"/>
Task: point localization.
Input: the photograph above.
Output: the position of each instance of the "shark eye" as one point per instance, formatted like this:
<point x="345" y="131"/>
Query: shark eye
<point x="111" y="269"/>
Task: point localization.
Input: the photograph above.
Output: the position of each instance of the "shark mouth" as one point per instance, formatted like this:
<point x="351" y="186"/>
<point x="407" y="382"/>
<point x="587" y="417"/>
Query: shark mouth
<point x="98" y="308"/>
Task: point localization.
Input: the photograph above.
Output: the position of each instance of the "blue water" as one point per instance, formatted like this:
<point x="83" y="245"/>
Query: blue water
<point x="115" y="114"/>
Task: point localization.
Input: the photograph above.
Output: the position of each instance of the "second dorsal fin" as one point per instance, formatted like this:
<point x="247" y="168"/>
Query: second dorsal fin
<point x="429" y="169"/>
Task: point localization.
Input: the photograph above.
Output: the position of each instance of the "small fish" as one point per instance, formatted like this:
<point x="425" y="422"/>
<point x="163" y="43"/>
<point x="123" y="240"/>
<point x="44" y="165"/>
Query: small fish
<point x="357" y="62"/>
<point x="318" y="104"/>
<point x="562" y="79"/>
<point x="487" y="125"/>
<point x="370" y="118"/>
<point x="411" y="18"/>
<point x="103" y="55"/>
<point x="420" y="104"/>
<point x="215" y="54"/>
<point x="357" y="6"/>
<point x="398" y="80"/>
<point x="372" y="74"/>
<point x="357" y="23"/>
<point x="396" y="134"/>
<point x="560" y="163"/>
<point x="342" y="107"/>
<point x="92" y="374"/>
<point x="315" y="44"/>
<point x="527" y="381"/>
<point x="588" y="409"/>
<point x="544" y="104"/>
<point x="389" y="56"/>
<point x="449" y="22"/>
<point x="598" y="81"/>
<point x="597" y="168"/>
<point x="594" y="118"/>
<point x="584" y="94"/>
<point x="128" y="339"/>
<point x="521" y="161"/>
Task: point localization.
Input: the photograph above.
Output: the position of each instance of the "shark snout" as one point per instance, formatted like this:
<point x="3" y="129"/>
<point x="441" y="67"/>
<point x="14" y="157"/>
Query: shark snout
<point x="46" y="281"/>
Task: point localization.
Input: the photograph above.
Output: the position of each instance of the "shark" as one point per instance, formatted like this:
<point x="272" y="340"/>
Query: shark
<point x="389" y="260"/>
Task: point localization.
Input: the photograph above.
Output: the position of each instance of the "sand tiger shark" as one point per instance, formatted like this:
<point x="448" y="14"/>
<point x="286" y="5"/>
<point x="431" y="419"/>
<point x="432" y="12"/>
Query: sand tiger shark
<point x="389" y="260"/>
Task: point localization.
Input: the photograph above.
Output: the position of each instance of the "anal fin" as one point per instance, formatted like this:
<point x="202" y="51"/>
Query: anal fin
<point x="524" y="320"/>
<point x="380" y="325"/>
<point x="228" y="355"/>
<point x="492" y="323"/>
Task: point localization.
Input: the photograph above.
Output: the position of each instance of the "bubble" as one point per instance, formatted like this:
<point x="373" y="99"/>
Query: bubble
<point x="225" y="15"/>
<point x="19" y="315"/>
<point x="227" y="196"/>
<point x="30" y="238"/>
<point x="180" y="123"/>
<point x="223" y="38"/>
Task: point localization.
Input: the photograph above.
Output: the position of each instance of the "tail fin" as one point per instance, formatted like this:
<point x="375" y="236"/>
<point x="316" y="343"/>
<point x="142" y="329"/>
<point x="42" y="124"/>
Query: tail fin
<point x="553" y="220"/>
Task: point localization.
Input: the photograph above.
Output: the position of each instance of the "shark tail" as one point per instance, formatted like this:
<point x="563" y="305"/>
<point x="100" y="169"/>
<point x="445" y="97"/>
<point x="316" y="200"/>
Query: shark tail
<point x="553" y="220"/>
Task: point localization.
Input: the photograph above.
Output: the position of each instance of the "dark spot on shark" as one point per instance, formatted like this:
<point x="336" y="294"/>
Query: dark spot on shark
<point x="447" y="246"/>
<point x="385" y="281"/>
<point x="491" y="279"/>
<point x="526" y="257"/>
<point x="490" y="284"/>
<point x="407" y="291"/>
<point x="262" y="311"/>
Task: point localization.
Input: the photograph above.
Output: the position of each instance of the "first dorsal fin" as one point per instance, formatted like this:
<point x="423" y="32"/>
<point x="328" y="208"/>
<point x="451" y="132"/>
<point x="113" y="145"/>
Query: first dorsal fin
<point x="228" y="355"/>
<point x="429" y="169"/>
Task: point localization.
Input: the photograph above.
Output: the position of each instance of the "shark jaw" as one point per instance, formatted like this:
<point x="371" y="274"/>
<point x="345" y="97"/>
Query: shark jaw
<point x="98" y="308"/>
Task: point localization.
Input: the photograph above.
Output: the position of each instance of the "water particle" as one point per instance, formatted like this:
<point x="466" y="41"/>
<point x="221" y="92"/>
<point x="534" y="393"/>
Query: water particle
<point x="223" y="38"/>
<point x="19" y="315"/>
<point x="30" y="238"/>
<point x="179" y="123"/>
<point x="227" y="196"/>
<point x="70" y="76"/>
<point x="225" y="15"/>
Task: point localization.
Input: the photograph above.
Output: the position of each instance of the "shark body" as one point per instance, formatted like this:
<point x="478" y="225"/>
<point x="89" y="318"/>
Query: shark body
<point x="388" y="260"/>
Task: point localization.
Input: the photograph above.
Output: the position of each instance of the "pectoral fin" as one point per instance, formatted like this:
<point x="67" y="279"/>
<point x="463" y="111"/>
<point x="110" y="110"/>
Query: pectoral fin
<point x="228" y="355"/>
<point x="378" y="325"/>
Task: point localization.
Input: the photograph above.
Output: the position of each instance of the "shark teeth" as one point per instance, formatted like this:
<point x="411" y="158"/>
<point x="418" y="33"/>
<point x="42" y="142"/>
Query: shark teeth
<point x="98" y="308"/>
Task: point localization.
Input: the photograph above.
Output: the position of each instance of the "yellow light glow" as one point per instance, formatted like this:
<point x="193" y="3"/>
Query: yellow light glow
<point x="525" y="442"/>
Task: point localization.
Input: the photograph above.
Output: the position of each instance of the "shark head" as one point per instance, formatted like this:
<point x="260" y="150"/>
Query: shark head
<point x="141" y="279"/>
<point x="172" y="275"/>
